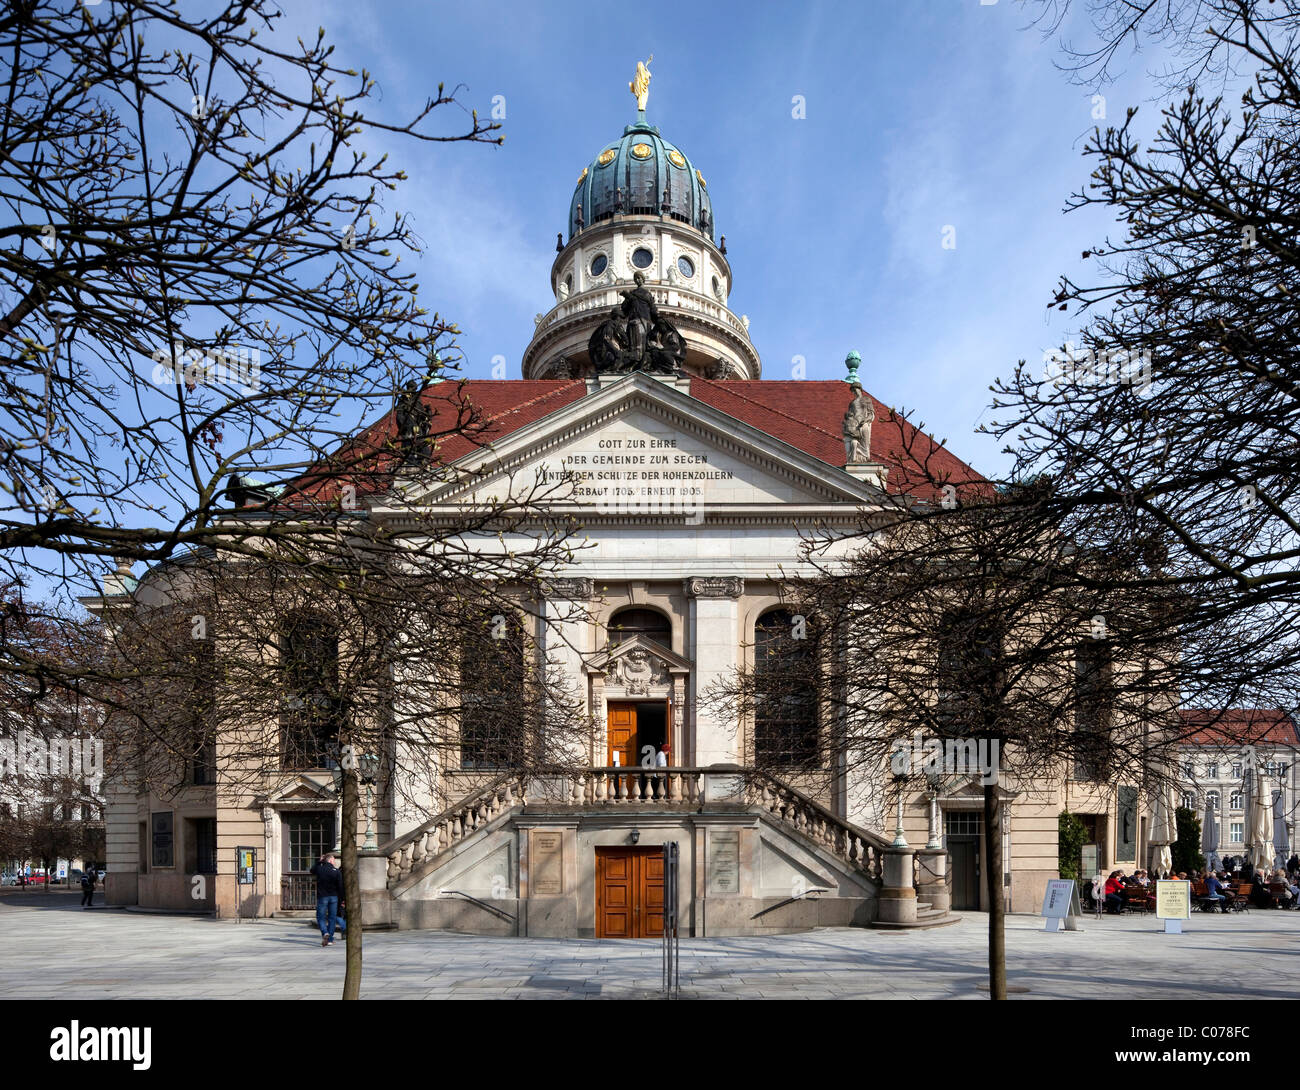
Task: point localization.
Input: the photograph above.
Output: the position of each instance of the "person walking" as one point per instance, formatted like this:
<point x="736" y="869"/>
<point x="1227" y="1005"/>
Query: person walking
<point x="88" y="889"/>
<point x="329" y="892"/>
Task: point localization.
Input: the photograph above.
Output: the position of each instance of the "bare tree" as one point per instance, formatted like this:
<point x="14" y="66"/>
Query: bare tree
<point x="971" y="631"/>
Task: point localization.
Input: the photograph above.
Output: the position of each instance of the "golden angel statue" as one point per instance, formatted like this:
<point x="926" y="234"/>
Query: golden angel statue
<point x="640" y="85"/>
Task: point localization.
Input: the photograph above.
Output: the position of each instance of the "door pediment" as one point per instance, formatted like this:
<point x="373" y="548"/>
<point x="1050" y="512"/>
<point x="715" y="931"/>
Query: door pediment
<point x="638" y="667"/>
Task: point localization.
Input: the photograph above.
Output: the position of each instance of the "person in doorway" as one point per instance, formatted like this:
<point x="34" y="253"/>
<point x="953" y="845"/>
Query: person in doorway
<point x="88" y="889"/>
<point x="329" y="894"/>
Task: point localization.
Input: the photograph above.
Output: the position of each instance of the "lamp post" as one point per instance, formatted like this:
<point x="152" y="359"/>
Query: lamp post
<point x="369" y="770"/>
<point x="900" y="841"/>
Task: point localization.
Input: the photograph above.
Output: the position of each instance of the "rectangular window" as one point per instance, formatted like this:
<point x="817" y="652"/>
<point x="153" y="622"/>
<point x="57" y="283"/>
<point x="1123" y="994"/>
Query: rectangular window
<point x="203" y="769"/>
<point x="962" y="822"/>
<point x="492" y="728"/>
<point x="1094" y="700"/>
<point x="1236" y="770"/>
<point x="162" y="840"/>
<point x="1212" y="771"/>
<point x="1236" y="831"/>
<point x="309" y="836"/>
<point x="205" y="845"/>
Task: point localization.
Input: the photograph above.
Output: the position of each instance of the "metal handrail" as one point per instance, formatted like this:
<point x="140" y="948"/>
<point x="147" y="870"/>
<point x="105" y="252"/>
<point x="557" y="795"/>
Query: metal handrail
<point x="482" y="904"/>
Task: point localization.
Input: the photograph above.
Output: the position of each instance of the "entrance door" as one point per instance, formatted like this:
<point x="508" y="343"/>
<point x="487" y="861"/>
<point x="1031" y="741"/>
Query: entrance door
<point x="962" y="839"/>
<point x="622" y="735"/>
<point x="629" y="893"/>
<point x="632" y="727"/>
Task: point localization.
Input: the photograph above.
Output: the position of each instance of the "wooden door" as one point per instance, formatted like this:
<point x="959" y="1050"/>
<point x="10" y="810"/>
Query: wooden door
<point x="616" y="893"/>
<point x="622" y="734"/>
<point x="629" y="893"/>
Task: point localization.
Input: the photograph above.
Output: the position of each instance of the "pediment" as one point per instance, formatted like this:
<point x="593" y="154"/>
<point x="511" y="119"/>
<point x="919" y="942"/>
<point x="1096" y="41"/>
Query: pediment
<point x="640" y="446"/>
<point x="638" y="647"/>
<point x="302" y="789"/>
<point x="638" y="666"/>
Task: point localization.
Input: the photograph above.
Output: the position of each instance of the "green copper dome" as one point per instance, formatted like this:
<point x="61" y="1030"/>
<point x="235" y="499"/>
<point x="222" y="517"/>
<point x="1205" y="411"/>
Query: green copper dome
<point x="642" y="174"/>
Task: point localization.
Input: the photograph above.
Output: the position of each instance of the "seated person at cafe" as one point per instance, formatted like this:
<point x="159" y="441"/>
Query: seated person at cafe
<point x="1214" y="890"/>
<point x="1292" y="891"/>
<point x="1116" y="897"/>
<point x="1259" y="895"/>
<point x="1140" y="876"/>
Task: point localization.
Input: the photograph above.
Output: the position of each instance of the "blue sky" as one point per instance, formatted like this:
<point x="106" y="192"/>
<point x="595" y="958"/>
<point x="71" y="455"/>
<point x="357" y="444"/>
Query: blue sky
<point x="919" y="116"/>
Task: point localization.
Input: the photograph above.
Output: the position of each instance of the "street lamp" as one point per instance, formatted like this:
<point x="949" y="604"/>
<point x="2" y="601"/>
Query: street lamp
<point x="369" y="771"/>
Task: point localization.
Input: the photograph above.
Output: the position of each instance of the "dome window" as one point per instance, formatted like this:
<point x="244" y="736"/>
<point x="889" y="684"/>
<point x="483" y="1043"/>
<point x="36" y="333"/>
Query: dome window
<point x="685" y="266"/>
<point x="568" y="283"/>
<point x="642" y="258"/>
<point x="599" y="264"/>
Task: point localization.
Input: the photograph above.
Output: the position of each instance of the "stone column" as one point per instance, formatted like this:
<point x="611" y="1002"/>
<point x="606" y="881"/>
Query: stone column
<point x="563" y="642"/>
<point x="715" y="631"/>
<point x="932" y="878"/>
<point x="897" y="897"/>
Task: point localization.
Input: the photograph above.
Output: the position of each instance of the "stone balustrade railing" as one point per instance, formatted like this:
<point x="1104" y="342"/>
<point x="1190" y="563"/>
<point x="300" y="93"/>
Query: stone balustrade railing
<point x="453" y="825"/>
<point x="857" y="846"/>
<point x="616" y="786"/>
<point x="606" y="298"/>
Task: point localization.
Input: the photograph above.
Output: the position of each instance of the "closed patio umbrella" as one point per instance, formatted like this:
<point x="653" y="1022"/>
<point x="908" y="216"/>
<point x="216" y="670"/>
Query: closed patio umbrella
<point x="1163" y="831"/>
<point x="1261" y="824"/>
<point x="1281" y="842"/>
<point x="1210" y="836"/>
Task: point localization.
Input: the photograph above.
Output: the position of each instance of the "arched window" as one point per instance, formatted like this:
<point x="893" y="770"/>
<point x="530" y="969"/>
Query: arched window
<point x="785" y="692"/>
<point x="650" y="623"/>
<point x="1212" y="799"/>
<point x="492" y="692"/>
<point x="309" y="678"/>
<point x="1189" y="801"/>
<point x="1236" y="801"/>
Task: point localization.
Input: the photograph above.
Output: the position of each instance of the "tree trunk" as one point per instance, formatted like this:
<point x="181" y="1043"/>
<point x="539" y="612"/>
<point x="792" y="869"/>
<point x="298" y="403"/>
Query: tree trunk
<point x="351" y="886"/>
<point x="993" y="887"/>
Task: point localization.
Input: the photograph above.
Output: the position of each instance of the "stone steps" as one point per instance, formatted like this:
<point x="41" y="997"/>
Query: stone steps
<point x="927" y="916"/>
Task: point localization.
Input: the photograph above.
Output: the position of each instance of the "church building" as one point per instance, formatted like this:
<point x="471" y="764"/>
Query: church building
<point x="693" y="476"/>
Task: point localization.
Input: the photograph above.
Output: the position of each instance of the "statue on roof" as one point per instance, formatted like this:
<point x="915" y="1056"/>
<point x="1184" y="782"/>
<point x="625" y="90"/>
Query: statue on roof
<point x="857" y="428"/>
<point x="640" y="85"/>
<point x="635" y="337"/>
<point x="414" y="420"/>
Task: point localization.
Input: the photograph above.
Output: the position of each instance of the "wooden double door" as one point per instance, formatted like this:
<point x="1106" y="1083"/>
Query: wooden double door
<point x="629" y="893"/>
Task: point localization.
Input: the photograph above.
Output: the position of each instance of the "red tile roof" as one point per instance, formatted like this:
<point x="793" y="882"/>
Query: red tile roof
<point x="809" y="415"/>
<point x="475" y="413"/>
<point x="1238" y="727"/>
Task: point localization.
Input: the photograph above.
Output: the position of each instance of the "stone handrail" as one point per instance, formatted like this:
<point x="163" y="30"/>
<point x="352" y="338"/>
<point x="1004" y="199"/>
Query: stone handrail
<point x="619" y="784"/>
<point x="860" y="847"/>
<point x="451" y="826"/>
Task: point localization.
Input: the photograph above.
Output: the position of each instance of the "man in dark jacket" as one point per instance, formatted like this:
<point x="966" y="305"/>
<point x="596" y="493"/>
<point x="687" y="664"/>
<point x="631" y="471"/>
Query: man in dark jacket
<point x="88" y="889"/>
<point x="329" y="894"/>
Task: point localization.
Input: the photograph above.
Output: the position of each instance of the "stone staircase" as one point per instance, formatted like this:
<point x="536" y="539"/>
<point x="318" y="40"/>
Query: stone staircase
<point x="801" y="834"/>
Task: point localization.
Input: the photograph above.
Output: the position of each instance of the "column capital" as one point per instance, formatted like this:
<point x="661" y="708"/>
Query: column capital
<point x="724" y="586"/>
<point x="573" y="588"/>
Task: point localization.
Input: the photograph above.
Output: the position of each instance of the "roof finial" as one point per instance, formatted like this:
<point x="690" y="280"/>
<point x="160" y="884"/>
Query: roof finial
<point x="854" y="361"/>
<point x="640" y="85"/>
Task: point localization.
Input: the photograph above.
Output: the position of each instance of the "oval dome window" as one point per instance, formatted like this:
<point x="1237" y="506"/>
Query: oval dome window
<point x="642" y="258"/>
<point x="599" y="264"/>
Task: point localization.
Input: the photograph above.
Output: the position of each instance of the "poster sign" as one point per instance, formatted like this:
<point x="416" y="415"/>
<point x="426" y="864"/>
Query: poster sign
<point x="1057" y="901"/>
<point x="1173" y="904"/>
<point x="246" y="866"/>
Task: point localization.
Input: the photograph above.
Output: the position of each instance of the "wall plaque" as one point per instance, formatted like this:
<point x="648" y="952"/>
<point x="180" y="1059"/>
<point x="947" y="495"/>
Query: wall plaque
<point x="545" y="864"/>
<point x="724" y="861"/>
